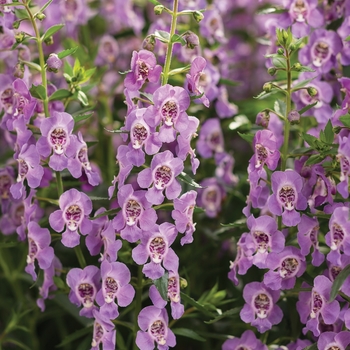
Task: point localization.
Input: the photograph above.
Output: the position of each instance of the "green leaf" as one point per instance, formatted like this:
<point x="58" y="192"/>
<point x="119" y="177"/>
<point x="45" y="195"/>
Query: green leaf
<point x="306" y="108"/>
<point x="302" y="150"/>
<point x="227" y="313"/>
<point x="68" y="69"/>
<point x="95" y="198"/>
<point x="314" y="159"/>
<point x="188" y="179"/>
<point x="46" y="5"/>
<point x="180" y="70"/>
<point x="32" y="65"/>
<point x="67" y="52"/>
<point x="60" y="95"/>
<point x="74" y="336"/>
<point x="303" y="69"/>
<point x="21" y="14"/>
<point x="107" y="212"/>
<point x="81" y="117"/>
<point x="76" y="67"/>
<point x="189" y="333"/>
<point x="311" y="140"/>
<point x="238" y="223"/>
<point x="196" y="304"/>
<point x="329" y="134"/>
<point x="38" y="92"/>
<point x="280" y="107"/>
<point x="345" y="119"/>
<point x="155" y="2"/>
<point x="162" y="36"/>
<point x="279" y="62"/>
<point x="147" y="95"/>
<point x="176" y="38"/>
<point x="338" y="282"/>
<point x="18" y="343"/>
<point x="248" y="137"/>
<point x="347" y="38"/>
<point x="51" y="31"/>
<point x="162" y="285"/>
<point x="83" y="98"/>
<point x="239" y="121"/>
<point x="90" y="144"/>
<point x="14" y="4"/>
<point x="117" y="131"/>
<point x="273" y="55"/>
<point x="303" y="83"/>
<point x="229" y="82"/>
<point x="299" y="42"/>
<point x="125" y="72"/>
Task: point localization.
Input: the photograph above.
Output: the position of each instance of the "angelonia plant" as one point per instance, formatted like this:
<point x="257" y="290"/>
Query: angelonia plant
<point x="120" y="208"/>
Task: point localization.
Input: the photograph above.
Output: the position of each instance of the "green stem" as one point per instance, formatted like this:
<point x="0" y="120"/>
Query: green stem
<point x="138" y="301"/>
<point x="41" y="58"/>
<point x="169" y="51"/>
<point x="59" y="183"/>
<point x="80" y="256"/>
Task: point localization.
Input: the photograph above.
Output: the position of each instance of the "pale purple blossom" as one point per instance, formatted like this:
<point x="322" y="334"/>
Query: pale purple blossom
<point x="248" y="340"/>
<point x="211" y="139"/>
<point x="333" y="340"/>
<point x="104" y="332"/>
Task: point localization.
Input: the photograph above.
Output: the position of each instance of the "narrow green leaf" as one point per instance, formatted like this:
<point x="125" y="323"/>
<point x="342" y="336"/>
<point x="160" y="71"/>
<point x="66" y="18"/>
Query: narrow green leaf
<point x="311" y="140"/>
<point x="227" y="313"/>
<point x="68" y="69"/>
<point x="302" y="150"/>
<point x="303" y="69"/>
<point x="314" y="159"/>
<point x="271" y="55"/>
<point x="67" y="52"/>
<point x="125" y="72"/>
<point x="345" y="119"/>
<point x="162" y="285"/>
<point x="303" y="83"/>
<point x="162" y="36"/>
<point x="347" y="38"/>
<point x="18" y="343"/>
<point x="229" y="82"/>
<point x="88" y="73"/>
<point x="176" y="38"/>
<point x="91" y="143"/>
<point x="248" y="137"/>
<point x="51" y="31"/>
<point x="329" y="134"/>
<point x="196" y="304"/>
<point x="180" y="70"/>
<point x="306" y="108"/>
<point x="239" y="121"/>
<point x="74" y="336"/>
<point x="120" y="342"/>
<point x="155" y="2"/>
<point x="21" y="14"/>
<point x="107" y="212"/>
<point x="338" y="282"/>
<point x="147" y="95"/>
<point x="280" y="107"/>
<point x="81" y="117"/>
<point x="83" y="98"/>
<point x="76" y="67"/>
<point x="46" y="5"/>
<point x="95" y="198"/>
<point x="279" y="62"/>
<point x="14" y="4"/>
<point x="38" y="92"/>
<point x="60" y="94"/>
<point x="188" y="179"/>
<point x="32" y="65"/>
<point x="117" y="131"/>
<point x="299" y="42"/>
<point x="238" y="223"/>
<point x="189" y="333"/>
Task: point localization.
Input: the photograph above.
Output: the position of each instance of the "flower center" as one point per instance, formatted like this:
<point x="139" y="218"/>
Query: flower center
<point x="299" y="11"/>
<point x="22" y="169"/>
<point x="5" y="184"/>
<point x="73" y="216"/>
<point x="321" y="53"/>
<point x="314" y="234"/>
<point x="87" y="293"/>
<point x="70" y="8"/>
<point x="143" y="70"/>
<point x="20" y="102"/>
<point x="262" y="240"/>
<point x="32" y="250"/>
<point x="337" y="235"/>
<point x="243" y="348"/>
<point x="173" y="290"/>
<point x="333" y="347"/>
<point x="214" y="141"/>
<point x="169" y="112"/>
<point x="163" y="175"/>
<point x="111" y="287"/>
<point x="289" y="267"/>
<point x="132" y="212"/>
<point x="287" y="196"/>
<point x="262" y="305"/>
<point x="7" y="100"/>
<point x="317" y="303"/>
<point x="98" y="334"/>
<point x="334" y="272"/>
<point x="83" y="157"/>
<point x="58" y="140"/>
<point x="157" y="249"/>
<point x="211" y="198"/>
<point x="261" y="155"/>
<point x="19" y="215"/>
<point x="139" y="135"/>
<point x="158" y="331"/>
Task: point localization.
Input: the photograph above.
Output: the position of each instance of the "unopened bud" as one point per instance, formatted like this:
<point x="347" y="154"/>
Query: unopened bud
<point x="312" y="91"/>
<point x="292" y="47"/>
<point x="272" y="70"/>
<point x="15" y="24"/>
<point x="267" y="87"/>
<point x="40" y="16"/>
<point x="280" y="51"/>
<point x="191" y="39"/>
<point x="294" y="117"/>
<point x="20" y="37"/>
<point x="158" y="9"/>
<point x="19" y="70"/>
<point x="149" y="43"/>
<point x="183" y="283"/>
<point x="48" y="41"/>
<point x="263" y="118"/>
<point x="296" y="66"/>
<point x="285" y="35"/>
<point x="197" y="15"/>
<point x="53" y="63"/>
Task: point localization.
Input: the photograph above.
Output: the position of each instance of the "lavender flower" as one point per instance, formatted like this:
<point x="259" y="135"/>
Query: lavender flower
<point x="260" y="309"/>
<point x="211" y="139"/>
<point x="84" y="285"/>
<point x="103" y="333"/>
<point x="75" y="206"/>
<point x="153" y="323"/>
<point x="332" y="340"/>
<point x="248" y="340"/>
<point x="53" y="63"/>
<point x="344" y="159"/>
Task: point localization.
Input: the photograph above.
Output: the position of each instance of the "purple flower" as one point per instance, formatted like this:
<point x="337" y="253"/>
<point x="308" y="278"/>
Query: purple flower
<point x="56" y="136"/>
<point x="75" y="207"/>
<point x="39" y="240"/>
<point x="169" y="110"/>
<point x="344" y="159"/>
<point x="155" y="244"/>
<point x="260" y="309"/>
<point x="312" y="305"/>
<point x="183" y="215"/>
<point x="84" y="285"/>
<point x="332" y="340"/>
<point x="223" y="107"/>
<point x="224" y="169"/>
<point x="263" y="238"/>
<point x="141" y="134"/>
<point x="333" y="271"/>
<point x="211" y="139"/>
<point x="108" y="51"/>
<point x="308" y="230"/>
<point x="153" y="323"/>
<point x="287" y="195"/>
<point x="162" y="173"/>
<point x="103" y="333"/>
<point x="28" y="168"/>
<point x="115" y="285"/>
<point x="248" y="340"/>
<point x="78" y="160"/>
<point x="53" y="63"/>
<point x="136" y="214"/>
<point x="144" y="68"/>
<point x="212" y="27"/>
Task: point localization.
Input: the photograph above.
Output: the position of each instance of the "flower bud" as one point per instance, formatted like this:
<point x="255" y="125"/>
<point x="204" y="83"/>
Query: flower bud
<point x="53" y="63"/>
<point x="191" y="39"/>
<point x="312" y="91"/>
<point x="296" y="66"/>
<point x="158" y="9"/>
<point x="183" y="283"/>
<point x="20" y="37"/>
<point x="292" y="47"/>
<point x="149" y="43"/>
<point x="40" y="16"/>
<point x="19" y="70"/>
<point x="263" y="118"/>
<point x="197" y="15"/>
<point x="267" y="87"/>
<point x="15" y="24"/>
<point x="48" y="41"/>
<point x="294" y="117"/>
<point x="272" y="70"/>
<point x="280" y="51"/>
